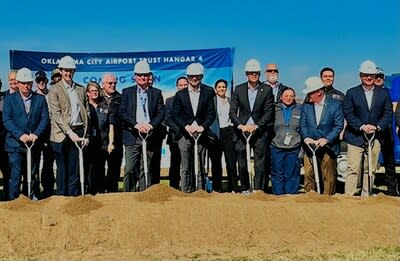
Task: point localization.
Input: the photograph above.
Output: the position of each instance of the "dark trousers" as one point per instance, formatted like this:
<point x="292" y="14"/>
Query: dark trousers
<point x="47" y="175"/>
<point x="18" y="166"/>
<point x="175" y="165"/>
<point x="188" y="175"/>
<point x="134" y="177"/>
<point x="154" y="145"/>
<point x="259" y="143"/>
<point x="94" y="159"/>
<point x="223" y="145"/>
<point x="285" y="170"/>
<point x="387" y="149"/>
<point x="5" y="169"/>
<point x="67" y="160"/>
<point x="114" y="161"/>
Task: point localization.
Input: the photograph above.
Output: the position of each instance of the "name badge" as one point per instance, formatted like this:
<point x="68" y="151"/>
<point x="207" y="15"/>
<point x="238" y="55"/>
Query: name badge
<point x="287" y="139"/>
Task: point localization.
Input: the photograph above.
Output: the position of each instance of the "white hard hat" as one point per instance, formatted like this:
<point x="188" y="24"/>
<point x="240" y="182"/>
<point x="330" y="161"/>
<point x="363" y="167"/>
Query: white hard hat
<point x="67" y="62"/>
<point x="24" y="75"/>
<point x="379" y="70"/>
<point x="312" y="84"/>
<point x="252" y="65"/>
<point x="142" y="67"/>
<point x="195" y="69"/>
<point x="368" y="67"/>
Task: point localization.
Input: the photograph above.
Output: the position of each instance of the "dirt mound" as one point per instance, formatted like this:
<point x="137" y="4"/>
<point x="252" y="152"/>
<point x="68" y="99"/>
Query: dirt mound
<point x="158" y="193"/>
<point x="81" y="205"/>
<point x="197" y="226"/>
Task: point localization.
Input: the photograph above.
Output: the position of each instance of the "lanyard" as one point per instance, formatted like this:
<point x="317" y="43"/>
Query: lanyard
<point x="143" y="100"/>
<point x="287" y="114"/>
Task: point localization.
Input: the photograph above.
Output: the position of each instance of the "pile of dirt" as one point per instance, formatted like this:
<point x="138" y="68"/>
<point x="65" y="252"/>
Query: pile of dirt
<point x="165" y="224"/>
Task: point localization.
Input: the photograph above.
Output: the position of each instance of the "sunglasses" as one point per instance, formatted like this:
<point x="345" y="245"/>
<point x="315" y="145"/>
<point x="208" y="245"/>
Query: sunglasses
<point x="142" y="74"/>
<point x="111" y="83"/>
<point x="272" y="71"/>
<point x="379" y="76"/>
<point x="252" y="73"/>
<point x="367" y="75"/>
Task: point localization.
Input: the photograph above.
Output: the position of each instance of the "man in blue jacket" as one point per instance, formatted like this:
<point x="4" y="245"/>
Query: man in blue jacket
<point x="25" y="117"/>
<point x="321" y="122"/>
<point x="368" y="110"/>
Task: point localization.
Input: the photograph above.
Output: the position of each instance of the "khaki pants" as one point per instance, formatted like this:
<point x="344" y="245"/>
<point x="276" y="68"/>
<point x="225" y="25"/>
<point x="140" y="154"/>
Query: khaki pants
<point x="354" y="167"/>
<point x="327" y="167"/>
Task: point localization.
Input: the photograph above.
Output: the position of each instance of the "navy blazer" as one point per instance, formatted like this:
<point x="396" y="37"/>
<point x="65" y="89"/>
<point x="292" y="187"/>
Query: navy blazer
<point x="356" y="112"/>
<point x="173" y="132"/>
<point x="17" y="122"/>
<point x="182" y="113"/>
<point x="127" y="112"/>
<point x="330" y="124"/>
<point x="263" y="111"/>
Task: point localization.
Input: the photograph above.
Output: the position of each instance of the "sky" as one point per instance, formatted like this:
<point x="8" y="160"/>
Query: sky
<point x="301" y="37"/>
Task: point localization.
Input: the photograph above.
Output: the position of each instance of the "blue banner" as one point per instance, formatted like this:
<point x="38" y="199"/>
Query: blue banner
<point x="166" y="65"/>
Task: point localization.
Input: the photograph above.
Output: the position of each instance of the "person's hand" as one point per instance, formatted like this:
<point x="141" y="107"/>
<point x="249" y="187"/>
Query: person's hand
<point x="199" y="129"/>
<point x="190" y="129"/>
<point x="33" y="137"/>
<point x="85" y="142"/>
<point x="141" y="127"/>
<point x="24" y="138"/>
<point x="148" y="127"/>
<point x="309" y="141"/>
<point x="321" y="142"/>
<point x="368" y="128"/>
<point x="243" y="128"/>
<point x="73" y="136"/>
<point x="110" y="148"/>
<point x="252" y="128"/>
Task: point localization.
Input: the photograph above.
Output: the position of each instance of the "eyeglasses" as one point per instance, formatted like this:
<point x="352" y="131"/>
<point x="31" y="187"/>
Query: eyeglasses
<point x="252" y="73"/>
<point x="272" y="71"/>
<point x="41" y="80"/>
<point x="142" y="74"/>
<point x="194" y="76"/>
<point x="380" y="76"/>
<point x="367" y="75"/>
<point x="111" y="83"/>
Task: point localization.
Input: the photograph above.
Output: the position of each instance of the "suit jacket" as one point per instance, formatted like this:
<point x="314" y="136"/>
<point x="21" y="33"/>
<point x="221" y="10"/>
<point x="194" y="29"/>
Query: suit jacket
<point x="60" y="110"/>
<point x="330" y="124"/>
<point x="173" y="132"/>
<point x="279" y="93"/>
<point x="263" y="110"/>
<point x="127" y="112"/>
<point x="215" y="127"/>
<point x="182" y="112"/>
<point x="398" y="116"/>
<point x="356" y="112"/>
<point x="17" y="122"/>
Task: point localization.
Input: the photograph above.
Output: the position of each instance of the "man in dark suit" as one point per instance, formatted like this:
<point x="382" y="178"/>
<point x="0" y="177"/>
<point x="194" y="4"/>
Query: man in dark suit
<point x="25" y="117"/>
<point x="193" y="112"/>
<point x="367" y="110"/>
<point x="252" y="111"/>
<point x="141" y="112"/>
<point x="321" y="122"/>
<point x="173" y="136"/>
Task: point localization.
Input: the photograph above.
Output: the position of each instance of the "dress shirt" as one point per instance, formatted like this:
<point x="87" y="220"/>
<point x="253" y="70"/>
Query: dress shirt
<point x="368" y="95"/>
<point x="223" y="112"/>
<point x="252" y="93"/>
<point x="73" y="99"/>
<point x="194" y="96"/>
<point x="142" y="111"/>
<point x="319" y="107"/>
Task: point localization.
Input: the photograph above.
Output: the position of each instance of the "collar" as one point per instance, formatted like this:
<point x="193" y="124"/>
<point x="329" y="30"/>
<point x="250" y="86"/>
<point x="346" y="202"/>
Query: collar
<point x="366" y="90"/>
<point x="273" y="85"/>
<point x="67" y="85"/>
<point x="141" y="90"/>
<point x="190" y="89"/>
<point x="249" y="86"/>
<point x="26" y="98"/>
<point x="322" y="102"/>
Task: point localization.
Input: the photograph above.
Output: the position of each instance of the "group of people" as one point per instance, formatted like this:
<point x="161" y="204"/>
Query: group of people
<point x="198" y="120"/>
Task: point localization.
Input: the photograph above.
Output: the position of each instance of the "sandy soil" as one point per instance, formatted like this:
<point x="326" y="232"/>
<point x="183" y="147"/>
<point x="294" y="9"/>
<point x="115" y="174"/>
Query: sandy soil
<point x="165" y="224"/>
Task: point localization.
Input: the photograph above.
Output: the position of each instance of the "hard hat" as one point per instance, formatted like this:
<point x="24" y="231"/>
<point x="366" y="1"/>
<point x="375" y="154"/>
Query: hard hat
<point x="195" y="69"/>
<point x="55" y="72"/>
<point x="24" y="75"/>
<point x="368" y="67"/>
<point x="40" y="75"/>
<point x="312" y="84"/>
<point x="67" y="62"/>
<point x="252" y="65"/>
<point x="142" y="67"/>
<point x="379" y="70"/>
